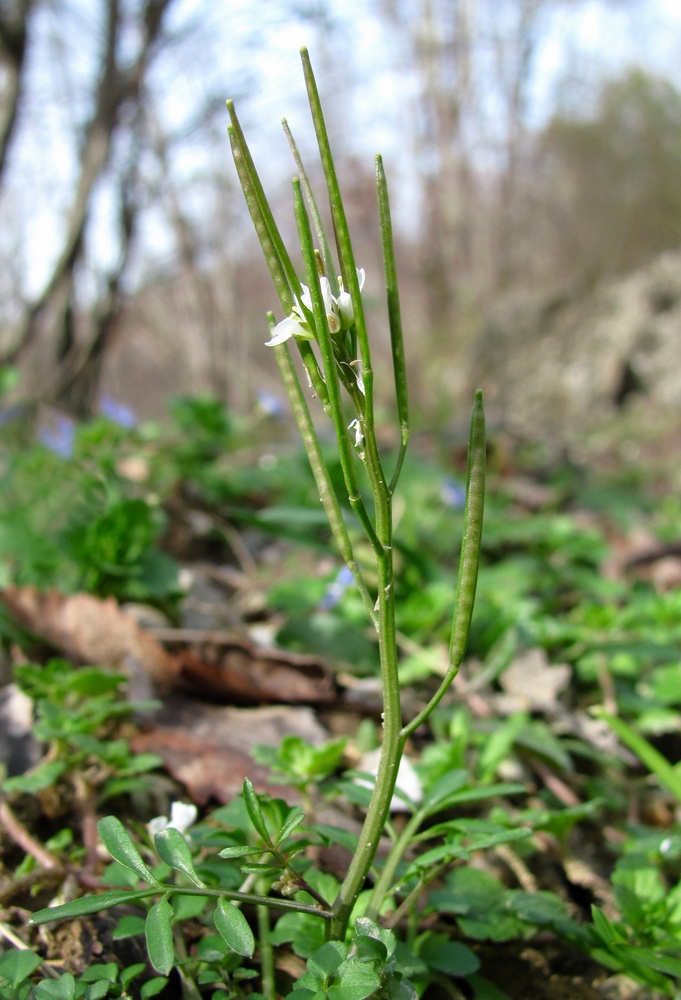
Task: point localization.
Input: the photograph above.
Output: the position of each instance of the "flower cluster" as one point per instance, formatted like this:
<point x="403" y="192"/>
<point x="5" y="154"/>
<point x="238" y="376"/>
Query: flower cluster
<point x="340" y="314"/>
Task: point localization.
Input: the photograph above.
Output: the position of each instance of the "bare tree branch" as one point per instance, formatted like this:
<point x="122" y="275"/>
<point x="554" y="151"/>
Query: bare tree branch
<point x="50" y="315"/>
<point x="13" y="41"/>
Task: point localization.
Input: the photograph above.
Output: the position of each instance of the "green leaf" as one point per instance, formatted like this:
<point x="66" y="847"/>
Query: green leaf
<point x="43" y="776"/>
<point x="610" y="932"/>
<point x="121" y="848"/>
<point x="89" y="904"/>
<point x="665" y="772"/>
<point x="153" y="986"/>
<point x="294" y="820"/>
<point x="188" y="907"/>
<point x="159" y="934"/>
<point x="107" y="971"/>
<point x="442" y="789"/>
<point x="239" y="851"/>
<point x="303" y="930"/>
<point x="254" y="811"/>
<point x="666" y="964"/>
<point x="233" y="927"/>
<point x="370" y="949"/>
<point x="17" y="965"/>
<point x="327" y="959"/>
<point x="131" y="972"/>
<point x="450" y="957"/>
<point x="174" y="850"/>
<point x="354" y="981"/>
<point x="261" y="869"/>
<point x="63" y="988"/>
<point x="365" y="927"/>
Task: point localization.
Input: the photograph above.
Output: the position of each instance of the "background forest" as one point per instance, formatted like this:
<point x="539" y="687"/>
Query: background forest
<point x="533" y="146"/>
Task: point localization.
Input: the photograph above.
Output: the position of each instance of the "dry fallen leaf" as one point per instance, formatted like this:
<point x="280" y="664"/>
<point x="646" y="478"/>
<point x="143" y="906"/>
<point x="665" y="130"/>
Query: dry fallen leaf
<point x="88" y="630"/>
<point x="530" y="682"/>
<point x="236" y="670"/>
<point x="208" y="747"/>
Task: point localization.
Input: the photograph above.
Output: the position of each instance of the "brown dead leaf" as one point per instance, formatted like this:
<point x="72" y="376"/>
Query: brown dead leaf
<point x="530" y="682"/>
<point x="87" y="630"/>
<point x="208" y="747"/>
<point x="233" y="669"/>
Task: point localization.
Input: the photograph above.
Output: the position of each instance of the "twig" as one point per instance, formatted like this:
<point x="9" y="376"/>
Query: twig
<point x="25" y="840"/>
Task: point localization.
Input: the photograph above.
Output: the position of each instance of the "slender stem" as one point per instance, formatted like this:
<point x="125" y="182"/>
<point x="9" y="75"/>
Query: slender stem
<point x="391" y="749"/>
<point x="387" y="875"/>
<point x="266" y="954"/>
<point x="388" y="763"/>
<point x="414" y="894"/>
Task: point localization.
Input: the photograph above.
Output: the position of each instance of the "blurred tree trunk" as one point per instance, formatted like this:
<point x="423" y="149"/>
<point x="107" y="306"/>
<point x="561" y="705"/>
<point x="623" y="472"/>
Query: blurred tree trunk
<point x="52" y="318"/>
<point x="442" y="39"/>
<point x="13" y="42"/>
<point x="514" y="48"/>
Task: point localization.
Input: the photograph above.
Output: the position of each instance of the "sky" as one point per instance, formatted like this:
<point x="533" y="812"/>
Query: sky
<point x="249" y="50"/>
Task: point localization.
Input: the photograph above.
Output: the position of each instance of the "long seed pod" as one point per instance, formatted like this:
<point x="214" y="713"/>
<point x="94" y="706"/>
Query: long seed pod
<point x="470" y="560"/>
<point x="472" y="535"/>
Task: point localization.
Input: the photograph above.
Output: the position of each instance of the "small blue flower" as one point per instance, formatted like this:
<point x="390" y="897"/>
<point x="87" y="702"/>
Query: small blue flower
<point x="269" y="404"/>
<point x="59" y="439"/>
<point x="453" y="493"/>
<point x="117" y="413"/>
<point x="336" y="589"/>
<point x="11" y="413"/>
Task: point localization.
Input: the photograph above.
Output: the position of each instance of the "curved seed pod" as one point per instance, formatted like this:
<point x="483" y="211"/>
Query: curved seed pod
<point x="472" y="533"/>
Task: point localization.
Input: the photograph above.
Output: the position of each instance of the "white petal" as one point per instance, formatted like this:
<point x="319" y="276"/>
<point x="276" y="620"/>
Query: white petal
<point x="306" y="298"/>
<point x="359" y="436"/>
<point x="326" y="294"/>
<point x="182" y="815"/>
<point x="360" y="277"/>
<point x="347" y="313"/>
<point x="283" y="331"/>
<point x="157" y="824"/>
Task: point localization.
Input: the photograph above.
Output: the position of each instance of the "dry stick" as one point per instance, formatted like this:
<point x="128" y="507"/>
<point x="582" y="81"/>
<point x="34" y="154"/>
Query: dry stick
<point x="25" y="840"/>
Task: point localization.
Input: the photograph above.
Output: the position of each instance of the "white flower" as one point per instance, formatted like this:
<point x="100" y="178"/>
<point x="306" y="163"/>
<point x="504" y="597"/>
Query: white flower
<point x="340" y="314"/>
<point x="344" y="302"/>
<point x="359" y="436"/>
<point x="182" y="816"/>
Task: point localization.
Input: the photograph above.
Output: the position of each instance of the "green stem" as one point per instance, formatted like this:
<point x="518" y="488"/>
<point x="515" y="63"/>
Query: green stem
<point x="391" y="749"/>
<point x="385" y="879"/>
<point x="389" y="762"/>
<point x="266" y="954"/>
<point x="242" y="897"/>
